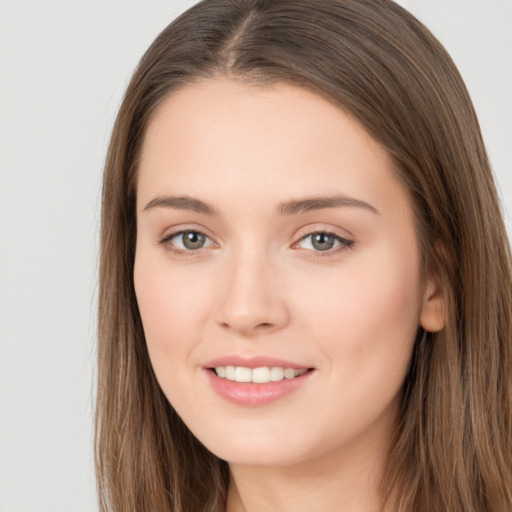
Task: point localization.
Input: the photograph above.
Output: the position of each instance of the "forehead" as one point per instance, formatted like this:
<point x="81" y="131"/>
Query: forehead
<point x="208" y="109"/>
<point x="275" y="142"/>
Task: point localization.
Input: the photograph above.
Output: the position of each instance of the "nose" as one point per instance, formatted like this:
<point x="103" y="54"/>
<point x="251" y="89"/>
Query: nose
<point x="253" y="299"/>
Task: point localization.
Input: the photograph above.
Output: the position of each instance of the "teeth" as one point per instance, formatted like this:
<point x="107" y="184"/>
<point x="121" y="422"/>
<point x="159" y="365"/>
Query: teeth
<point x="289" y="373"/>
<point x="243" y="374"/>
<point x="230" y="373"/>
<point x="260" y="375"/>
<point x="257" y="375"/>
<point x="276" y="374"/>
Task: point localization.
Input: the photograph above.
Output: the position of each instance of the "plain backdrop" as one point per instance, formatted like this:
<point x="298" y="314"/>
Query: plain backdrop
<point x="63" y="68"/>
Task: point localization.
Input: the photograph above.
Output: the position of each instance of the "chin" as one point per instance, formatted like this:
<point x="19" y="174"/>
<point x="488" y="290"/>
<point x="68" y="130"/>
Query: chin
<point x="260" y="448"/>
<point x="256" y="457"/>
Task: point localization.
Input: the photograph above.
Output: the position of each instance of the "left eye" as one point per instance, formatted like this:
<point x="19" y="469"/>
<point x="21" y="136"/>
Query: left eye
<point x="323" y="241"/>
<point x="189" y="240"/>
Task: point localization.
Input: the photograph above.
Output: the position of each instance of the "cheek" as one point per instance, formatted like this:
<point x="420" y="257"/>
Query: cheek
<point x="367" y="318"/>
<point x="170" y="306"/>
<point x="156" y="304"/>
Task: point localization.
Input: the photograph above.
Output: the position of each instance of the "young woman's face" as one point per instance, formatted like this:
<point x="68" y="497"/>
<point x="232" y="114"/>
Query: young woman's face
<point x="275" y="244"/>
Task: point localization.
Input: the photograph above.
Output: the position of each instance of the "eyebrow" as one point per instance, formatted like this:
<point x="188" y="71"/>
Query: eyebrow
<point x="293" y="207"/>
<point x="319" y="203"/>
<point x="181" y="203"/>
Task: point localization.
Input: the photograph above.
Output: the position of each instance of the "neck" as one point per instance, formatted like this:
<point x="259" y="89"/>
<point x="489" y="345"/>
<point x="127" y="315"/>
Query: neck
<point x="347" y="479"/>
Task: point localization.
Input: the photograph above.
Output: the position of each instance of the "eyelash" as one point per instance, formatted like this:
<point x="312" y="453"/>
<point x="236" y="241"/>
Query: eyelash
<point x="180" y="252"/>
<point x="344" y="243"/>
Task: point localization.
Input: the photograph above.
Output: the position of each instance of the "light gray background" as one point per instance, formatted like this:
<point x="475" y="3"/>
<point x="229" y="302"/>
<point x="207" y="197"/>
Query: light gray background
<point x="63" y="68"/>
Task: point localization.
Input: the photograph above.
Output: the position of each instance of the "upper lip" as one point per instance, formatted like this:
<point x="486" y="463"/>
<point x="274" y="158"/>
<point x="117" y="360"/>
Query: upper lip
<point x="253" y="362"/>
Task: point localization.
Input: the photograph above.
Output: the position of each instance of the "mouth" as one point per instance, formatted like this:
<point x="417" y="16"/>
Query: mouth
<point x="256" y="381"/>
<point x="259" y="375"/>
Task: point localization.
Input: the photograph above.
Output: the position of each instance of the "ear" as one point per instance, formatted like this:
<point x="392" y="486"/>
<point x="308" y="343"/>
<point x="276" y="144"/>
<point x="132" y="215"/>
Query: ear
<point x="433" y="310"/>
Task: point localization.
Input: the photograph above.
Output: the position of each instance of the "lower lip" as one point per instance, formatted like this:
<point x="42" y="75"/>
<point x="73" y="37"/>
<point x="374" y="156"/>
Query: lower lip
<point x="254" y="395"/>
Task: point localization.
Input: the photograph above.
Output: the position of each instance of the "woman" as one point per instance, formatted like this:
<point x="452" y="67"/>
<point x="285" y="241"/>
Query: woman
<point x="305" y="288"/>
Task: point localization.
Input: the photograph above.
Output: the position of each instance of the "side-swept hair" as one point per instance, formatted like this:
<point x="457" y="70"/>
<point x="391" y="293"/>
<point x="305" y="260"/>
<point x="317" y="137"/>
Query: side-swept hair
<point x="452" y="450"/>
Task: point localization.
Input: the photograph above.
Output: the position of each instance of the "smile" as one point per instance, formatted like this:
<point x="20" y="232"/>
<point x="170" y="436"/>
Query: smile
<point x="255" y="381"/>
<point x="260" y="375"/>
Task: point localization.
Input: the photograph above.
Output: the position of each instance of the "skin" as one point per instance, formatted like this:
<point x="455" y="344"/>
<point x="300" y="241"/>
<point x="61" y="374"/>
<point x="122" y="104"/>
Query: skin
<point x="259" y="286"/>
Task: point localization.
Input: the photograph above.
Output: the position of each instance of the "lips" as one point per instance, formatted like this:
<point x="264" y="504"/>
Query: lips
<point x="255" y="381"/>
<point x="253" y="362"/>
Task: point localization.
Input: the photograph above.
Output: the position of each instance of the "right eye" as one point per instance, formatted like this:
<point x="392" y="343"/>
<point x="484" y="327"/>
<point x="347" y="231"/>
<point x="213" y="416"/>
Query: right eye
<point x="187" y="240"/>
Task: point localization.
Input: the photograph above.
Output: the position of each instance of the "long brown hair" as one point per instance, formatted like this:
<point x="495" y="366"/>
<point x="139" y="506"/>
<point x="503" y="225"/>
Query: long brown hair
<point x="453" y="445"/>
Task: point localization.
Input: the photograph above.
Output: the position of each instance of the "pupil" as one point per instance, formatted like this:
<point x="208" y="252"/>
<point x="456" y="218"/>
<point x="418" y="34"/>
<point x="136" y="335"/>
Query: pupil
<point x="193" y="240"/>
<point x="323" y="242"/>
